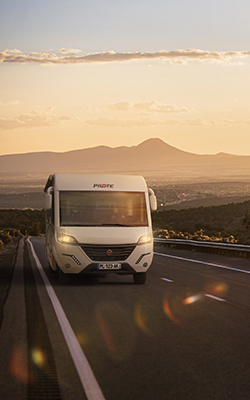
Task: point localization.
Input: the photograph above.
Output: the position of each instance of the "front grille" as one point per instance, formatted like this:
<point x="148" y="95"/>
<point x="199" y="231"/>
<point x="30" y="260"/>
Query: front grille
<point x="100" y="252"/>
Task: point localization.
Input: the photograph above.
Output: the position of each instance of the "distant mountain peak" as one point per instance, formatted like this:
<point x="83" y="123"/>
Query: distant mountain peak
<point x="151" y="155"/>
<point x="152" y="140"/>
<point x="161" y="148"/>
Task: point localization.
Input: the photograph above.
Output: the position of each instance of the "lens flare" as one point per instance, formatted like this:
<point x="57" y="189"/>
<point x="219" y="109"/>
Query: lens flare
<point x="117" y="330"/>
<point x="146" y="316"/>
<point x="38" y="358"/>
<point x="192" y="299"/>
<point x="19" y="365"/>
<point x="106" y="333"/>
<point x="82" y="338"/>
<point x="168" y="311"/>
<point x="217" y="288"/>
<point x="141" y="319"/>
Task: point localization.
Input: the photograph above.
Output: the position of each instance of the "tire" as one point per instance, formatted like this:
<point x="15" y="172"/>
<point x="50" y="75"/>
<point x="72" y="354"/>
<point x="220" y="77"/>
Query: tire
<point x="140" y="278"/>
<point x="51" y="270"/>
<point x="63" y="278"/>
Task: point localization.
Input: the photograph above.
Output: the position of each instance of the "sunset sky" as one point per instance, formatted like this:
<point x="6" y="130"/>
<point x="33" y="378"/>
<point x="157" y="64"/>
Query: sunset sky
<point x="77" y="74"/>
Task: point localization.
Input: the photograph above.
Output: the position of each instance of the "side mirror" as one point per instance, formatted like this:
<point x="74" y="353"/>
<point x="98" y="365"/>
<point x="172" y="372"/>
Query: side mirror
<point x="152" y="200"/>
<point x="48" y="199"/>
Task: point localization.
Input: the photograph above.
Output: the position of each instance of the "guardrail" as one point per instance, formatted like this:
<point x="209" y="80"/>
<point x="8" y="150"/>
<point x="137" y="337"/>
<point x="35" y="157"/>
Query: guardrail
<point x="230" y="249"/>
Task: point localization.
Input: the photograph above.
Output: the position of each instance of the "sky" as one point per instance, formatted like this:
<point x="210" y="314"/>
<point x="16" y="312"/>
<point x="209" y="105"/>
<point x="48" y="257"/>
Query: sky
<point x="76" y="74"/>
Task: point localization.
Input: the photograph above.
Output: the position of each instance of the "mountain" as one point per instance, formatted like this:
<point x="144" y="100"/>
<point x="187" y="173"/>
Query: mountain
<point x="148" y="157"/>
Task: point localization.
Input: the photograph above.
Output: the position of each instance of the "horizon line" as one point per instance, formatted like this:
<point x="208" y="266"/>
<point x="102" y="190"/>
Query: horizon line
<point x="116" y="147"/>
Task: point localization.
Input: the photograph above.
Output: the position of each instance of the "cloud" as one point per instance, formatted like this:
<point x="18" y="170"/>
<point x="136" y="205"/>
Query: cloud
<point x="147" y="107"/>
<point x="71" y="56"/>
<point x="121" y="106"/>
<point x="147" y="122"/>
<point x="34" y="119"/>
<point x="227" y="121"/>
<point x="9" y="103"/>
<point x="128" y="123"/>
<point x="220" y="122"/>
<point x="196" y="121"/>
<point x="70" y="51"/>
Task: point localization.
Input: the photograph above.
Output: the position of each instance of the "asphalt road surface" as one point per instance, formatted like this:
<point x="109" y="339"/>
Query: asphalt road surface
<point x="185" y="334"/>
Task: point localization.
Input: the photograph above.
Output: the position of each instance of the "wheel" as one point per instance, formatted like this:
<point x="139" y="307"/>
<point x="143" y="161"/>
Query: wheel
<point x="140" y="278"/>
<point x="63" y="278"/>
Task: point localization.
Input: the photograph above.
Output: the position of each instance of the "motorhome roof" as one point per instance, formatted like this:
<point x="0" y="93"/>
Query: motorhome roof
<point x="96" y="182"/>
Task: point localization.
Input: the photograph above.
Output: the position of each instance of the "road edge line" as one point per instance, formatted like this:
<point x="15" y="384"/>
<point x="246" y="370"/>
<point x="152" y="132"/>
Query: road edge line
<point x="203" y="262"/>
<point x="85" y="373"/>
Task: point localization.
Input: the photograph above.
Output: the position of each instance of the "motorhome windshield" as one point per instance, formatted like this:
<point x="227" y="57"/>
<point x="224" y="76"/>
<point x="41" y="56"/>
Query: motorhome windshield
<point x="96" y="208"/>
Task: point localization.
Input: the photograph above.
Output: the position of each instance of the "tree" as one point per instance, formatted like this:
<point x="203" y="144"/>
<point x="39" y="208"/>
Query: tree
<point x="35" y="229"/>
<point x="246" y="220"/>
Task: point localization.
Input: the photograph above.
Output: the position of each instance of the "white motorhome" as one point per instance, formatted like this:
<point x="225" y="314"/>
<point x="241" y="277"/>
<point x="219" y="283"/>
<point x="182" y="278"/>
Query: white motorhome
<point x="99" y="224"/>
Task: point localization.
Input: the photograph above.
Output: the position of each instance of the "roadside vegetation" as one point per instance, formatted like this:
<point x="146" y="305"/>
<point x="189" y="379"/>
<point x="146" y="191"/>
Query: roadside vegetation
<point x="16" y="223"/>
<point x="226" y="223"/>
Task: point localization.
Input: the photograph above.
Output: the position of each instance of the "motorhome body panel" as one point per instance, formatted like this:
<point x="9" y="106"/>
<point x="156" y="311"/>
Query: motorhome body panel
<point x="99" y="182"/>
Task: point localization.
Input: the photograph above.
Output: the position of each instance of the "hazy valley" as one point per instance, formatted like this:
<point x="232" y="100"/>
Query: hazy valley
<point x="180" y="179"/>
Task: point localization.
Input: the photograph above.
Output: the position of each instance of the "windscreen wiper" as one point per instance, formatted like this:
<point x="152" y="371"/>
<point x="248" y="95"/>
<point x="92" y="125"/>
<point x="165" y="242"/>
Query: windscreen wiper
<point x="116" y="225"/>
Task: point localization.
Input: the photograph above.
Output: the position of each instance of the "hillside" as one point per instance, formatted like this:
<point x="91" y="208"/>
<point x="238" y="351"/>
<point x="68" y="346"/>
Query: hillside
<point x="152" y="156"/>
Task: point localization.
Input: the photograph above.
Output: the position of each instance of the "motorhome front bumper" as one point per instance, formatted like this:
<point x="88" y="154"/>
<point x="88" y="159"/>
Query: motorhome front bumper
<point x="129" y="258"/>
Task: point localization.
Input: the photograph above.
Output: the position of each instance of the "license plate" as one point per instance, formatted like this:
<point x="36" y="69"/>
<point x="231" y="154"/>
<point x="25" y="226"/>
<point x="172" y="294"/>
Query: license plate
<point x="108" y="266"/>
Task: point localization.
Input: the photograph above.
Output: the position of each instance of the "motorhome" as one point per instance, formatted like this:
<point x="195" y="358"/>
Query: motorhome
<point x="99" y="224"/>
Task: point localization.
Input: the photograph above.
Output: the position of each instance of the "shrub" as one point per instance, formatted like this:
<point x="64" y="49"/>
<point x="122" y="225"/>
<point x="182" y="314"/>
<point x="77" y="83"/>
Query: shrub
<point x="5" y="237"/>
<point x="34" y="229"/>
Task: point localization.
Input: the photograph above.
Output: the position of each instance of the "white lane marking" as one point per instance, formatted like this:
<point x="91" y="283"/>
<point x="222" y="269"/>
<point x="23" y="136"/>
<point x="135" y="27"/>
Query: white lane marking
<point x="167" y="280"/>
<point x="214" y="297"/>
<point x="204" y="263"/>
<point x="87" y="378"/>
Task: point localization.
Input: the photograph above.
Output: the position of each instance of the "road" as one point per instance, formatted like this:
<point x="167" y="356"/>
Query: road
<point x="185" y="334"/>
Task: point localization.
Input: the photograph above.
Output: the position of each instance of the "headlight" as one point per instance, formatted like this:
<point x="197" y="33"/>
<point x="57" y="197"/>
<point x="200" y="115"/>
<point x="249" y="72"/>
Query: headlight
<point x="145" y="239"/>
<point x="66" y="239"/>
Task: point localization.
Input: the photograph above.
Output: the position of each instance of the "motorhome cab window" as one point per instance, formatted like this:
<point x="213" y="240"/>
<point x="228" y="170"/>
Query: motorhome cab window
<point x="92" y="208"/>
